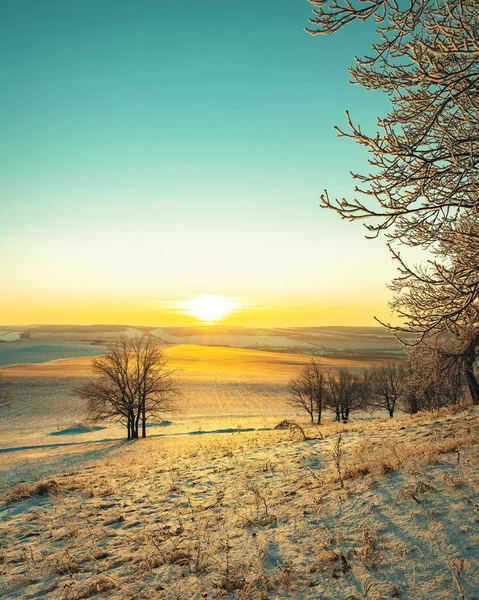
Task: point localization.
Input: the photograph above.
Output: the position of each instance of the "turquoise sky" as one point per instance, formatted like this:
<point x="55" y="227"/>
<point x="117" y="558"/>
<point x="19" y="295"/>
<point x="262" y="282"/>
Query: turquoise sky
<point x="151" y="151"/>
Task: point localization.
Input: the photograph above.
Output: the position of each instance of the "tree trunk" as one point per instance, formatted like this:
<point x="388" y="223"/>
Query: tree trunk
<point x="391" y="413"/>
<point x="134" y="429"/>
<point x="136" y="425"/>
<point x="471" y="379"/>
<point x="345" y="414"/>
<point x="142" y="412"/>
<point x="412" y="404"/>
<point x="131" y="419"/>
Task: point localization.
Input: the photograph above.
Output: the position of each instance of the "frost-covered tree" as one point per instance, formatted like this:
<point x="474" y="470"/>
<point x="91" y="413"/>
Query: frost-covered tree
<point x="425" y="152"/>
<point x="443" y="292"/>
<point x="436" y="376"/>
<point x="439" y="302"/>
<point x="423" y="186"/>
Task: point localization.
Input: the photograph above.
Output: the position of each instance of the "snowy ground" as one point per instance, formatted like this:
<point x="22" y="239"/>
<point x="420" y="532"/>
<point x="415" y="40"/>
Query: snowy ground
<point x="216" y="504"/>
<point x="258" y="515"/>
<point x="347" y="342"/>
<point x="26" y="351"/>
<point x="237" y="340"/>
<point x="223" y="389"/>
<point x="319" y="341"/>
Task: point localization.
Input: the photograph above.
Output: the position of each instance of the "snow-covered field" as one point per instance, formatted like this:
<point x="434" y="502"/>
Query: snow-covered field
<point x="26" y="351"/>
<point x="319" y="341"/>
<point x="223" y="389"/>
<point x="258" y="515"/>
<point x="237" y="340"/>
<point x="216" y="503"/>
<point x="9" y="336"/>
<point x="346" y="341"/>
<point x="86" y="334"/>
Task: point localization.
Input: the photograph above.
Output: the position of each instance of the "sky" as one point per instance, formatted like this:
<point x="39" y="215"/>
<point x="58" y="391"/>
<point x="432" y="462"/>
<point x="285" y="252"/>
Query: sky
<point x="152" y="152"/>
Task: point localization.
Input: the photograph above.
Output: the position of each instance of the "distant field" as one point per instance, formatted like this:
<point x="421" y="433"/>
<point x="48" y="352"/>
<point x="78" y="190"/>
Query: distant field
<point x="24" y="351"/>
<point x="223" y="389"/>
<point x="252" y="379"/>
<point x="368" y="343"/>
<point x="346" y="342"/>
<point x="219" y="385"/>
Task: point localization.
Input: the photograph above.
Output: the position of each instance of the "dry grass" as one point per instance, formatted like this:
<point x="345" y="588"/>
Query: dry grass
<point x="258" y="515"/>
<point x="22" y="491"/>
<point x="379" y="457"/>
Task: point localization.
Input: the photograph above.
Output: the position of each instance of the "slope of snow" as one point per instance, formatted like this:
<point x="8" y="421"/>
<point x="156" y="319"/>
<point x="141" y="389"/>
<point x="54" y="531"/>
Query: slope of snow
<point x="256" y="516"/>
<point x="235" y="341"/>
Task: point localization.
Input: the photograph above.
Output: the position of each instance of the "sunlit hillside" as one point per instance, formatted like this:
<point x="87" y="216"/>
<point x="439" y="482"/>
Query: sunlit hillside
<point x="214" y="381"/>
<point x="252" y="516"/>
<point x="347" y="342"/>
<point x="223" y="389"/>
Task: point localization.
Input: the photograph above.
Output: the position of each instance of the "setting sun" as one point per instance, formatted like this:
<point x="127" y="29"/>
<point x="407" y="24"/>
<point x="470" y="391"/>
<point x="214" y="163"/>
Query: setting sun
<point x="209" y="309"/>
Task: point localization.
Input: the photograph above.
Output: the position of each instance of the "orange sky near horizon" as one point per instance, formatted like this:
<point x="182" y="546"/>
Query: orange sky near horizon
<point x="314" y="277"/>
<point x="158" y="314"/>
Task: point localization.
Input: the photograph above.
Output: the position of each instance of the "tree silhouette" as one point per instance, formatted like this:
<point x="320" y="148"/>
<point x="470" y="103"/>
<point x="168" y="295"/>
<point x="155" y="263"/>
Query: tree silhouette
<point x="133" y="384"/>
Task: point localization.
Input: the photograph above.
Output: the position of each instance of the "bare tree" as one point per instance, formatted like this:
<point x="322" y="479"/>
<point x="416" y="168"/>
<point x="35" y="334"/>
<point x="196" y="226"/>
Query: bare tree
<point x="347" y="392"/>
<point x="309" y="390"/>
<point x="337" y="456"/>
<point x="133" y="384"/>
<point x="156" y="388"/>
<point x="386" y="386"/>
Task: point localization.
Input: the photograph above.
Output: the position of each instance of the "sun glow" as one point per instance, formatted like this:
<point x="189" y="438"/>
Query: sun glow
<point x="209" y="309"/>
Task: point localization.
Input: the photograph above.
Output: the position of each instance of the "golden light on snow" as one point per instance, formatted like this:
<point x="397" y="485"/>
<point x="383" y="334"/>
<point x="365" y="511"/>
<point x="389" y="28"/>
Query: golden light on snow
<point x="209" y="309"/>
